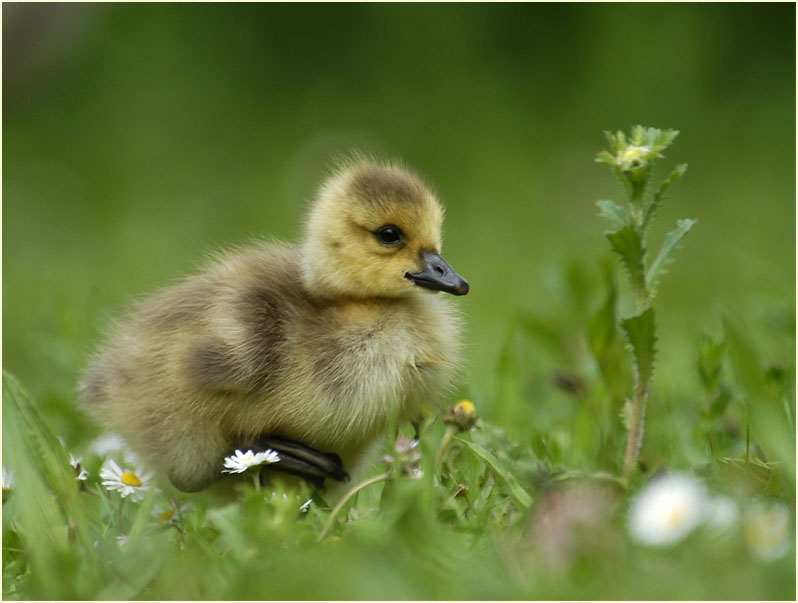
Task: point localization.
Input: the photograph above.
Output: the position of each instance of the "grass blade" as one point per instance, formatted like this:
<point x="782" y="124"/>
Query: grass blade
<point x="516" y="491"/>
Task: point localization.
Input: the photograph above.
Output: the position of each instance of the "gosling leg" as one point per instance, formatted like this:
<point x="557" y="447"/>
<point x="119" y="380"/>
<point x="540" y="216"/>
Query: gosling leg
<point x="303" y="461"/>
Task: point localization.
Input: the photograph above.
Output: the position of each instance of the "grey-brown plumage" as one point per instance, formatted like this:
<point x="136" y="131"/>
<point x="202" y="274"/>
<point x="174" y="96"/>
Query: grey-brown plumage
<point x="321" y="343"/>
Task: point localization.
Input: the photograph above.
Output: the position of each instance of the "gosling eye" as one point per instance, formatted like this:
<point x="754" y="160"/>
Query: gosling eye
<point x="389" y="235"/>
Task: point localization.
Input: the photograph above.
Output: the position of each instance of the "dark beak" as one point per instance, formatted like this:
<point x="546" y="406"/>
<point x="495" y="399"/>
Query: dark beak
<point x="438" y="275"/>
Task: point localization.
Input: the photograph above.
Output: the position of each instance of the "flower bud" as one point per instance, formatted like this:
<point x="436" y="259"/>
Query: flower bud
<point x="462" y="415"/>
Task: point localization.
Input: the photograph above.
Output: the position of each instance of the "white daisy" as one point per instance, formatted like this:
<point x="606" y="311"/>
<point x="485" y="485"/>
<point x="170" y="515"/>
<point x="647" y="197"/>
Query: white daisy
<point x="107" y="443"/>
<point x="9" y="479"/>
<point x="111" y="443"/>
<point x="667" y="510"/>
<point x="721" y="513"/>
<point x="767" y="529"/>
<point x="241" y="461"/>
<point x="80" y="473"/>
<point x="126" y="482"/>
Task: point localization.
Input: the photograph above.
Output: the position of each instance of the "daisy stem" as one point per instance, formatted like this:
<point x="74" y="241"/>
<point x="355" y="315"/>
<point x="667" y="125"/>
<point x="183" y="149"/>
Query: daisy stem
<point x="119" y="519"/>
<point x="345" y="499"/>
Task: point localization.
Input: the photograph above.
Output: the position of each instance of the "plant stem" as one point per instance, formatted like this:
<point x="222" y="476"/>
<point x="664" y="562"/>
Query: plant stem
<point x="343" y="501"/>
<point x="635" y="437"/>
<point x="447" y="437"/>
<point x="635" y="431"/>
<point x="119" y="516"/>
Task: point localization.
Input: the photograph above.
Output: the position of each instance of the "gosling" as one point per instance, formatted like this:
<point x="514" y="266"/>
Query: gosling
<point x="311" y="350"/>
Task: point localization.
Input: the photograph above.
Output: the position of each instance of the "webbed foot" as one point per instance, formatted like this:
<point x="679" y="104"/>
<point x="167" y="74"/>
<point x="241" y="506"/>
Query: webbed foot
<point x="303" y="461"/>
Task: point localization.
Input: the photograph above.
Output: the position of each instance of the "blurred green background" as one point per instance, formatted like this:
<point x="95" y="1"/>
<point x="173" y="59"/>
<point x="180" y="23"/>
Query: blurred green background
<point x="138" y="137"/>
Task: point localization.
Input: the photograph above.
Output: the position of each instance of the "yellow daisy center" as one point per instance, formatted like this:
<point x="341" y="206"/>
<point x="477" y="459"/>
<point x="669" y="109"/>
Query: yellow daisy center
<point x="676" y="516"/>
<point x="130" y="479"/>
<point x="165" y="516"/>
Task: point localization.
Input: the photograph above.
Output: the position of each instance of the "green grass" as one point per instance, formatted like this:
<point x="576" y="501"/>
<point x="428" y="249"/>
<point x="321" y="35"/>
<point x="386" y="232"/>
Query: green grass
<point x="159" y="132"/>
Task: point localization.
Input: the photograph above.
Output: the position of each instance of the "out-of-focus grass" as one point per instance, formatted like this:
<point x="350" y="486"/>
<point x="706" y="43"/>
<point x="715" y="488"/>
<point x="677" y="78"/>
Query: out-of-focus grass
<point x="138" y="137"/>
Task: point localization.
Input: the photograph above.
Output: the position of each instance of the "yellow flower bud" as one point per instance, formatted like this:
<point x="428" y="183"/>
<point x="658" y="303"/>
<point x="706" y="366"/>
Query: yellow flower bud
<point x="463" y="415"/>
<point x="466" y="407"/>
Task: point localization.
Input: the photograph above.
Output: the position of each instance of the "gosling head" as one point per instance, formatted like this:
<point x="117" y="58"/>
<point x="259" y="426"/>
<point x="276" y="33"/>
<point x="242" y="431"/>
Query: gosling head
<point x="375" y="231"/>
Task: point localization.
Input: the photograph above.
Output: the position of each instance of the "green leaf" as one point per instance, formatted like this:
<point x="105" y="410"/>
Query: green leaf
<point x="774" y="486"/>
<point x="617" y="214"/>
<point x="664" y="257"/>
<point x="606" y="157"/>
<point x="662" y="139"/>
<point x="602" y="328"/>
<point x="42" y="447"/>
<point x="719" y="404"/>
<point x="616" y="140"/>
<point x="658" y="139"/>
<point x="228" y="521"/>
<point x="677" y="173"/>
<point x="629" y="245"/>
<point x="641" y="331"/>
<point x="770" y="418"/>
<point x="605" y="341"/>
<point x="745" y="360"/>
<point x="519" y="495"/>
<point x="142" y="518"/>
<point x="47" y="493"/>
<point x="710" y="360"/>
<point x="135" y="569"/>
<point x="753" y="477"/>
<point x="638" y="134"/>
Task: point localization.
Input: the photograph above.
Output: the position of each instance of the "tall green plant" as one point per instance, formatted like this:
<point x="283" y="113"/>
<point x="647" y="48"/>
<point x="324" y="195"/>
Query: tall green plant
<point x="632" y="159"/>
